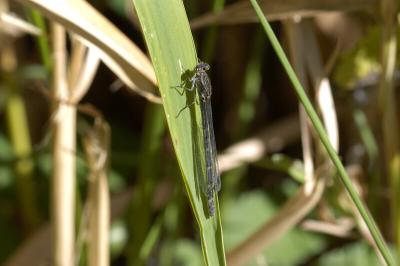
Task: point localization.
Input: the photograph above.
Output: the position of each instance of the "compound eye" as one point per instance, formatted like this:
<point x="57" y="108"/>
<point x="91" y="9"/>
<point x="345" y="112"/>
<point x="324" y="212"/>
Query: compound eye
<point x="202" y="66"/>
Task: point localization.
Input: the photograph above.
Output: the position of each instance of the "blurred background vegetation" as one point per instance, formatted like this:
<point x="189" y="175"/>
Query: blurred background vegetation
<point x="277" y="179"/>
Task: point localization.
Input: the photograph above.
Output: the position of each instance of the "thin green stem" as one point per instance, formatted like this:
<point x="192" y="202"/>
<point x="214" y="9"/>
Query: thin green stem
<point x="42" y="39"/>
<point x="378" y="239"/>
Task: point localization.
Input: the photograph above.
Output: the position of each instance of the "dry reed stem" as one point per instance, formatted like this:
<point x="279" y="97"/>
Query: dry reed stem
<point x="83" y="68"/>
<point x="78" y="52"/>
<point x="310" y="193"/>
<point x="64" y="165"/>
<point x="296" y="43"/>
<point x="96" y="144"/>
<point x="99" y="222"/>
<point x="342" y="228"/>
<point x="321" y="84"/>
<point x="37" y="249"/>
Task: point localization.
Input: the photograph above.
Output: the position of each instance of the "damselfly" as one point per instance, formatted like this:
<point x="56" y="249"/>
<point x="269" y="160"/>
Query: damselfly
<point x="202" y="82"/>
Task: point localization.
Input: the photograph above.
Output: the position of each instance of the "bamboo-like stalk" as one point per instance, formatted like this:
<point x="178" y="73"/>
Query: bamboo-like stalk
<point x="99" y="224"/>
<point x="63" y="183"/>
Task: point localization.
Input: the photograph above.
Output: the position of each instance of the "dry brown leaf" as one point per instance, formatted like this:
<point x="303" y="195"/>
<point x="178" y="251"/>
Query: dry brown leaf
<point x="242" y="12"/>
<point x="82" y="79"/>
<point x="269" y="140"/>
<point x="77" y="16"/>
<point x="15" y="26"/>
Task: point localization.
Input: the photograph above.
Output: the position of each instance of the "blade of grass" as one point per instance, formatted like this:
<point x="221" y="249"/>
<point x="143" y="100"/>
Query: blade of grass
<point x="170" y="43"/>
<point x="323" y="137"/>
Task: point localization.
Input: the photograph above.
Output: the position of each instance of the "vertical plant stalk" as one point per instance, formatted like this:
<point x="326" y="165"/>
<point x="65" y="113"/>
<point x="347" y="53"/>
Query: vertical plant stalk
<point x="96" y="144"/>
<point x="42" y="39"/>
<point x="64" y="165"/>
<point x="296" y="42"/>
<point x="321" y="83"/>
<point x="17" y="123"/>
<point x="142" y="200"/>
<point x="387" y="105"/>
<point x="324" y="138"/>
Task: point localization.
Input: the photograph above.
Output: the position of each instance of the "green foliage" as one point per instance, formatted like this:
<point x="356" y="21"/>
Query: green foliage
<point x="355" y="254"/>
<point x="182" y="252"/>
<point x="6" y="175"/>
<point x="167" y="221"/>
<point x="118" y="238"/>
<point x="282" y="163"/>
<point x="253" y="209"/>
<point x="362" y="60"/>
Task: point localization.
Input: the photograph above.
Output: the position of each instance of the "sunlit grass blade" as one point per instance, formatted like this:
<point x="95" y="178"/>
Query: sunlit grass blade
<point x="379" y="241"/>
<point x="170" y="43"/>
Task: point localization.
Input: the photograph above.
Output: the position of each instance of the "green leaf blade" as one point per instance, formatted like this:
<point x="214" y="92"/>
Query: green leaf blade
<point x="170" y="43"/>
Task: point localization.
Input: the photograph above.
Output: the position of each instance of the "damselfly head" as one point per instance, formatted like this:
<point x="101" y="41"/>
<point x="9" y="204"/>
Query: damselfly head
<point x="202" y="67"/>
